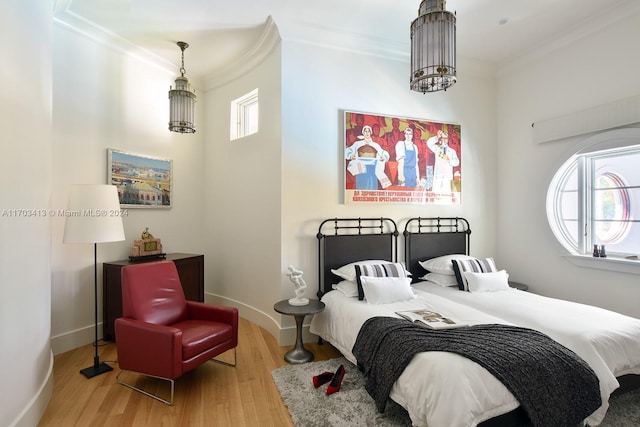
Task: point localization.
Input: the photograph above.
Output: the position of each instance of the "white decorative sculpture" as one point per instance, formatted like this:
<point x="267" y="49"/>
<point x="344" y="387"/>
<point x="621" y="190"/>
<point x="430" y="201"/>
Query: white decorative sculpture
<point x="296" y="277"/>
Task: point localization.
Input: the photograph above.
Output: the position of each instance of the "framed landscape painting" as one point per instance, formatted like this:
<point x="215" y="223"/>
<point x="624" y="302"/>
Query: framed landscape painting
<point x="390" y="159"/>
<point x="142" y="181"/>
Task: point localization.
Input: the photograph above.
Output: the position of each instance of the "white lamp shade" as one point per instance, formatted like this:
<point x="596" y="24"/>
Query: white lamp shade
<point x="93" y="215"/>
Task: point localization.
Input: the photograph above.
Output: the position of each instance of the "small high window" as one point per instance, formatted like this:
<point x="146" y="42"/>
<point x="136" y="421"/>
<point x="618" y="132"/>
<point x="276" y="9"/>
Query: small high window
<point x="594" y="198"/>
<point x="244" y="115"/>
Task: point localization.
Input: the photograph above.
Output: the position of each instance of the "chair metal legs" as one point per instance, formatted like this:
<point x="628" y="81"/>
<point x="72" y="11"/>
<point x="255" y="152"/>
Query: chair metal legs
<point x="225" y="362"/>
<point x="131" y="386"/>
<point x="172" y="382"/>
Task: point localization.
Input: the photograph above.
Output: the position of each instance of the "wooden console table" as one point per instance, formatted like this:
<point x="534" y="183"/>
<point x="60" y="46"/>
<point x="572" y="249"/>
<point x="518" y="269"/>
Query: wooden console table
<point x="190" y="269"/>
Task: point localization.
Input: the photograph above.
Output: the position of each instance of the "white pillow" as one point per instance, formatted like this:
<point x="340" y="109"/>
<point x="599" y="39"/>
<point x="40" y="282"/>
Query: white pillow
<point x="385" y="290"/>
<point x="348" y="272"/>
<point x="442" y="264"/>
<point x="444" y="280"/>
<point x="388" y="269"/>
<point x="347" y="288"/>
<point x="474" y="265"/>
<point x="487" y="282"/>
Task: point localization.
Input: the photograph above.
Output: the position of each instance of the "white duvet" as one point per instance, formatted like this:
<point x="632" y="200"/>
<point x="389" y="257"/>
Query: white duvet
<point x="438" y="389"/>
<point x="609" y="342"/>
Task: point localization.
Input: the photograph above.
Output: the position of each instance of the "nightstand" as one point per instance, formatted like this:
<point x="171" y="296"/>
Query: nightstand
<point x="518" y="285"/>
<point x="299" y="354"/>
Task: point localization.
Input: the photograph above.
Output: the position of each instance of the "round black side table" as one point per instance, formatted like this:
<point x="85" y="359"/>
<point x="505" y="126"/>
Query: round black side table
<point x="299" y="354"/>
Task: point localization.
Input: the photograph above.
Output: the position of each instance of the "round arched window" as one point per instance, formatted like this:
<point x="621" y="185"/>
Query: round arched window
<point x="594" y="198"/>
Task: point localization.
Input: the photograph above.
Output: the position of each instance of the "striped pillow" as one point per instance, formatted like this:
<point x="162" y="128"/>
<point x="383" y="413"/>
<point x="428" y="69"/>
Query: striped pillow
<point x="485" y="265"/>
<point x="395" y="269"/>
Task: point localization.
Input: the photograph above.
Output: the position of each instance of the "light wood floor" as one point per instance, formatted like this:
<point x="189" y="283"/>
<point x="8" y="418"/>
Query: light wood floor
<point x="211" y="395"/>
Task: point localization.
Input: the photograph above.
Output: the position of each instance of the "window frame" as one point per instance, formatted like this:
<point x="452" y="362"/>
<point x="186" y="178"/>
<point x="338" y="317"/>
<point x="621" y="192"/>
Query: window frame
<point x="606" y="144"/>
<point x="245" y="115"/>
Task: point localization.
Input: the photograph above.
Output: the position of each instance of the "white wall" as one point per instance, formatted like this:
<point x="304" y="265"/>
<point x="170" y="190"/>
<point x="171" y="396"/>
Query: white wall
<point x="243" y="200"/>
<point x="105" y="96"/>
<point x="597" y="69"/>
<point x="25" y="252"/>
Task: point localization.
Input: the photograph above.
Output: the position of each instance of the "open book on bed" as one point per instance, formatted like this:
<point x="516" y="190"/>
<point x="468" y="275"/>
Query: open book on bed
<point x="430" y="319"/>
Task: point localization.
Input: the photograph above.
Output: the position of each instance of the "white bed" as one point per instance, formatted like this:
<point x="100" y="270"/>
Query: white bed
<point x="438" y="389"/>
<point x="458" y="392"/>
<point x="609" y="342"/>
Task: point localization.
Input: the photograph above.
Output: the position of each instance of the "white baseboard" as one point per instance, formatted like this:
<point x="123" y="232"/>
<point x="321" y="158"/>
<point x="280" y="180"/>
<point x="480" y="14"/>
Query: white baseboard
<point x="73" y="339"/>
<point x="283" y="335"/>
<point x="33" y="412"/>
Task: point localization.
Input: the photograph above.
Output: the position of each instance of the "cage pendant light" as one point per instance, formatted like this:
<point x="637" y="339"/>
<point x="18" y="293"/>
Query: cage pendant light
<point x="433" y="48"/>
<point x="182" y="102"/>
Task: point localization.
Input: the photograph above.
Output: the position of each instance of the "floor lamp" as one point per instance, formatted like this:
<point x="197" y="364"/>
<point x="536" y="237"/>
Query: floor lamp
<point x="93" y="217"/>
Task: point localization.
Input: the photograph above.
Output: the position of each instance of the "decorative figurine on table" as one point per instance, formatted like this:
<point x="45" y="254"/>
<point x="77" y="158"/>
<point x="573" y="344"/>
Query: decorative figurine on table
<point x="147" y="247"/>
<point x="145" y="234"/>
<point x="296" y="277"/>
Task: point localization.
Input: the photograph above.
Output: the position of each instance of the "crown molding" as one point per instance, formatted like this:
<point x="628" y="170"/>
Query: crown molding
<point x="74" y="22"/>
<point x="348" y="41"/>
<point x="268" y="41"/>
<point x="271" y="37"/>
<point x="314" y="35"/>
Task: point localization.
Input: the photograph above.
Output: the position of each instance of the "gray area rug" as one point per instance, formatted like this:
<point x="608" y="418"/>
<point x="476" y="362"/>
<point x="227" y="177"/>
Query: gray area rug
<point x="352" y="406"/>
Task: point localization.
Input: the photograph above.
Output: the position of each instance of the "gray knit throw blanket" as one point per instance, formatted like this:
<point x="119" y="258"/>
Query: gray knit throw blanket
<point x="553" y="385"/>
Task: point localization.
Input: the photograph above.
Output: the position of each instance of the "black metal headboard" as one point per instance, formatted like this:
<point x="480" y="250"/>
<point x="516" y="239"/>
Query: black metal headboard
<point x="426" y="238"/>
<point x="345" y="240"/>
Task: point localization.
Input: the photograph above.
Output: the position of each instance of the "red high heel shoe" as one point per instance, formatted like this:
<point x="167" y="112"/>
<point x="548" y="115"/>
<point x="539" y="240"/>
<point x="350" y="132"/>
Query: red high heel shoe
<point x="323" y="378"/>
<point x="336" y="381"/>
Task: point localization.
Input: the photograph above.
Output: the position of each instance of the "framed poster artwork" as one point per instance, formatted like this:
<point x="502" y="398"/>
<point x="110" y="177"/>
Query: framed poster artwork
<point x="392" y="159"/>
<point x="142" y="181"/>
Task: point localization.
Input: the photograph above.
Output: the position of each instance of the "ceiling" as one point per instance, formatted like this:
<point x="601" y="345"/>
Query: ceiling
<point x="222" y="31"/>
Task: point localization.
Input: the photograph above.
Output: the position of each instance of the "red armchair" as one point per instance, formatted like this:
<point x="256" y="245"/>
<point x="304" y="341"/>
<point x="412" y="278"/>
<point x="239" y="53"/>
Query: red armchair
<point x="162" y="335"/>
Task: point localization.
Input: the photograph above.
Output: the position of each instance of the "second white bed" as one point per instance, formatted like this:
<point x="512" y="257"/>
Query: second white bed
<point x="608" y="341"/>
